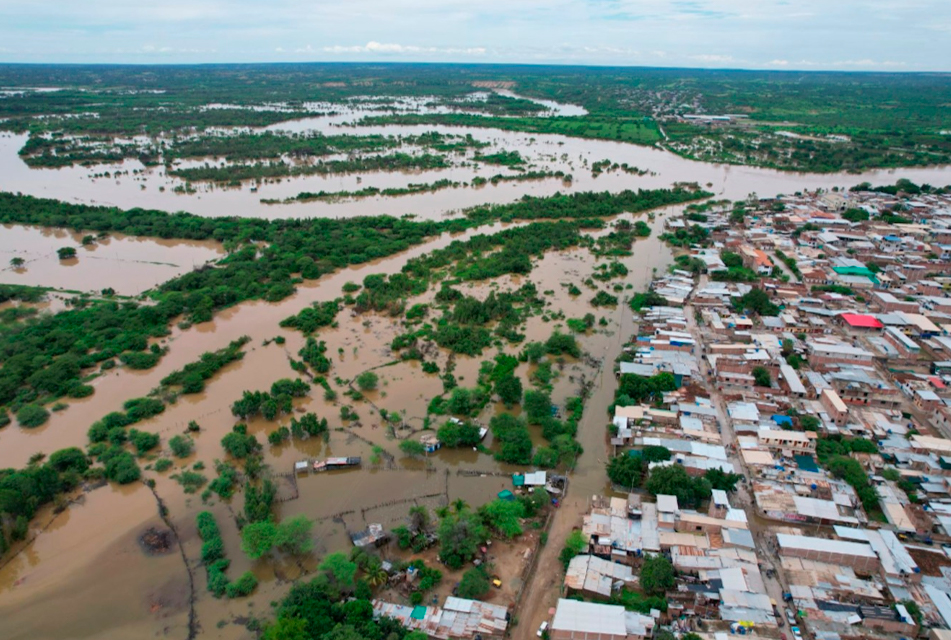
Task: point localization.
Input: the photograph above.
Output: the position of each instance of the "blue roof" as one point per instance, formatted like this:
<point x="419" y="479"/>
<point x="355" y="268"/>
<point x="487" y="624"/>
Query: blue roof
<point x="781" y="419"/>
<point x="893" y="238"/>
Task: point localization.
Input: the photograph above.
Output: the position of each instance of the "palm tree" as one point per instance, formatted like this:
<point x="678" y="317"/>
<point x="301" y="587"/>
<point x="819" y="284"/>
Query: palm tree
<point x="460" y="505"/>
<point x="377" y="576"/>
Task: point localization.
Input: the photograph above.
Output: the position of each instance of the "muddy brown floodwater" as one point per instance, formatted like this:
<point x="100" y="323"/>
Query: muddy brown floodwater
<point x="127" y="264"/>
<point x="86" y="562"/>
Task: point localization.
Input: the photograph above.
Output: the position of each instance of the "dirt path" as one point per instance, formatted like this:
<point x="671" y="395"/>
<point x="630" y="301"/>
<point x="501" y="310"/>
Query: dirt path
<point x="589" y="477"/>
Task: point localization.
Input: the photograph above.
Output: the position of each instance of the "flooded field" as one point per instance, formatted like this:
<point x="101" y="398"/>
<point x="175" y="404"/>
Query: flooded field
<point x="128" y="265"/>
<point x="87" y="562"/>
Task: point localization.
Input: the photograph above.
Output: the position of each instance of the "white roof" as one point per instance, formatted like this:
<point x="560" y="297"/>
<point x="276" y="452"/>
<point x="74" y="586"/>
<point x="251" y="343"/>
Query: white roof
<point x="733" y="579"/>
<point x="588" y="617"/>
<point x="667" y="504"/>
<point x="823" y="544"/>
<point x="792" y="378"/>
<point x="822" y="509"/>
<point x="535" y="478"/>
<point x="746" y="411"/>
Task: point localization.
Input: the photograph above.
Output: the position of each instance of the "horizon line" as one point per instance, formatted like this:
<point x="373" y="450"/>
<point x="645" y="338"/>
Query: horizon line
<point x="477" y="64"/>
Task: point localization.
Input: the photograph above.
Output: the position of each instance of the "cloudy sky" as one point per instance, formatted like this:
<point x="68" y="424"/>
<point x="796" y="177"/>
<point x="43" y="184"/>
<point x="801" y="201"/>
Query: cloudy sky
<point x="891" y="35"/>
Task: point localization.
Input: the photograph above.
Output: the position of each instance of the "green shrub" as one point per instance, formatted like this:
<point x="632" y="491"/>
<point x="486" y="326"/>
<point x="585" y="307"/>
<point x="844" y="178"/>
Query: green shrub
<point x="31" y="416"/>
<point x="143" y="441"/>
<point x="81" y="391"/>
<point x="181" y="446"/>
<point x="243" y="586"/>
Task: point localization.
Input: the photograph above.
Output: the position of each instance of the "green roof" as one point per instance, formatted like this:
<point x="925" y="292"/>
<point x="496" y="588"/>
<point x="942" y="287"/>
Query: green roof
<point x="505" y="494"/>
<point x="518" y="479"/>
<point x="856" y="271"/>
<point x="419" y="612"/>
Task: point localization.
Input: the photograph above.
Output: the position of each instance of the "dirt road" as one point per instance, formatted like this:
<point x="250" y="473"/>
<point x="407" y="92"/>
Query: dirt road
<point x="589" y="477"/>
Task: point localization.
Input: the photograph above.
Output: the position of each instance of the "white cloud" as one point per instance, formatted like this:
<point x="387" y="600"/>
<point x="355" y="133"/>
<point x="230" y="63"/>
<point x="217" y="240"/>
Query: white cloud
<point x="710" y="57"/>
<point x="391" y="48"/>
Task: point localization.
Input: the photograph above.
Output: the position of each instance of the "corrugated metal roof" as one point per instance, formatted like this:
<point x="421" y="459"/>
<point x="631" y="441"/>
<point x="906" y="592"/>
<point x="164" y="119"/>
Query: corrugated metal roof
<point x="588" y="617"/>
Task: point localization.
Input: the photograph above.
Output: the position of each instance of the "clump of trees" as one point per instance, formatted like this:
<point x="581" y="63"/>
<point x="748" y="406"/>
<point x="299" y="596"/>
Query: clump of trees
<point x="270" y="404"/>
<point x="460" y="535"/>
<point x="239" y="443"/>
<point x="512" y="435"/>
<point x="675" y="481"/>
<point x="24" y="491"/>
<point x="292" y="536"/>
<point x="756" y="301"/>
<point x="634" y="389"/>
<point x="216" y="563"/>
<point x="458" y="434"/>
<point x="192" y="377"/>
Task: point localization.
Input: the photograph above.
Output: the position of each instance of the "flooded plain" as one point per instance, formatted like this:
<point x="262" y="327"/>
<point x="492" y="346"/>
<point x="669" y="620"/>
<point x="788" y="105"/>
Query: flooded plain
<point x="152" y="188"/>
<point x="86" y="562"/>
<point x="340" y="502"/>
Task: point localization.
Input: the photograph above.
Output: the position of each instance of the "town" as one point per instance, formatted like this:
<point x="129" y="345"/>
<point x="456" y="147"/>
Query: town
<point x="806" y="338"/>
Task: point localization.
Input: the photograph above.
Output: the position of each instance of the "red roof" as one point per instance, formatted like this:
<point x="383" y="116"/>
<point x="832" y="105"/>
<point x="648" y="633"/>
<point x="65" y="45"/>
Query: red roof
<point x="862" y="321"/>
<point x="936" y="381"/>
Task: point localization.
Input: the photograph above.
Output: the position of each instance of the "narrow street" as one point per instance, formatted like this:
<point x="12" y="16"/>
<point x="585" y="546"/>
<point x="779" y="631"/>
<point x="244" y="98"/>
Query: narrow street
<point x="743" y="496"/>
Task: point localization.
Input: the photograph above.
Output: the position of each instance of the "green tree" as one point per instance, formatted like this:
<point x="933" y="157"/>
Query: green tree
<point x="756" y="301"/>
<point x="474" y="584"/>
<point x="626" y="471"/>
<point x="452" y="434"/>
<point x="537" y="406"/>
<point x="657" y="575"/>
<point x="294" y="536"/>
<point x="574" y="545"/>
<point x="258" y="538"/>
<point x="287" y="629"/>
<point x="412" y="448"/>
<point x="367" y="381"/>
<point x="460" y="535"/>
<point x="181" y="446"/>
<point x="761" y="377"/>
<point x="143" y="441"/>
<point x="340" y="570"/>
<point x="16" y="263"/>
<point x="66" y="253"/>
<point x="509" y="390"/>
<point x="654" y="453"/>
<point x="722" y="480"/>
<point x="503" y="516"/>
